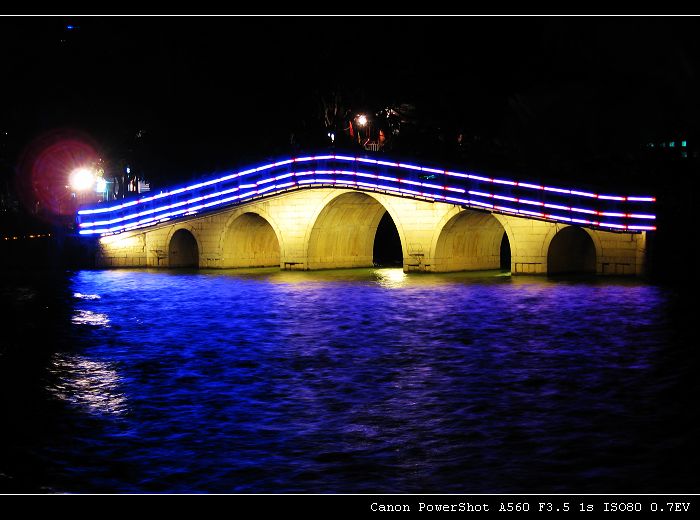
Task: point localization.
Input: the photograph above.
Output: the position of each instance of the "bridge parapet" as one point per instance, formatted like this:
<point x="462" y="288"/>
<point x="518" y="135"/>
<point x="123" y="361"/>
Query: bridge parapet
<point x="628" y="213"/>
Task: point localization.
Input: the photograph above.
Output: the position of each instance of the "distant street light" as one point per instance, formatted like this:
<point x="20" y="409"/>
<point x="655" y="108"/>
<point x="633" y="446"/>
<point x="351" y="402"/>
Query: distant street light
<point x="82" y="179"/>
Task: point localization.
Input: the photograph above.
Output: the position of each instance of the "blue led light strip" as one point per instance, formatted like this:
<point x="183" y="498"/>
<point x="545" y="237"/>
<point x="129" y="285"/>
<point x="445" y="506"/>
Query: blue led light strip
<point x="434" y="191"/>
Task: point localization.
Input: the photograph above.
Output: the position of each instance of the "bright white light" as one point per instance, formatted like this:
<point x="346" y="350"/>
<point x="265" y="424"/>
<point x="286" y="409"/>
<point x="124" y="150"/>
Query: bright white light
<point x="82" y="179"/>
<point x="362" y="120"/>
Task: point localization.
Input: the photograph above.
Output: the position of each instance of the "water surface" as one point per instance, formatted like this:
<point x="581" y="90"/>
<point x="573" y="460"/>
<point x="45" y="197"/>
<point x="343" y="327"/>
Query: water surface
<point x="363" y="380"/>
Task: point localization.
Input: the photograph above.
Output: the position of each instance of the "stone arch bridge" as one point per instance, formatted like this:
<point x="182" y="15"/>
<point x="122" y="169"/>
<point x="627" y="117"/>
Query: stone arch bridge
<point x="323" y="212"/>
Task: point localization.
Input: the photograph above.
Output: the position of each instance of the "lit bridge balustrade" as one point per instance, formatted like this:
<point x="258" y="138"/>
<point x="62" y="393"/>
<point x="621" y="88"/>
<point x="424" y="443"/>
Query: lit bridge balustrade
<point x="322" y="211"/>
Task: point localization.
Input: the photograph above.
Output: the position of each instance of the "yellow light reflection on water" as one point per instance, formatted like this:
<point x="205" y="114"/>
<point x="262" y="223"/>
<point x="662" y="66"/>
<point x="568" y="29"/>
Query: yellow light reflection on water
<point x="91" y="385"/>
<point x="391" y="278"/>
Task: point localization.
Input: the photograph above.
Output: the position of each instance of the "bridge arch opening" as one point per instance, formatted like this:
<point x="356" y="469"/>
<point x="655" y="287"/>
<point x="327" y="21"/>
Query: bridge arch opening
<point x="183" y="250"/>
<point x="387" y="244"/>
<point x="472" y="241"/>
<point x="250" y="241"/>
<point x="571" y="251"/>
<point x="505" y="253"/>
<point x="346" y="231"/>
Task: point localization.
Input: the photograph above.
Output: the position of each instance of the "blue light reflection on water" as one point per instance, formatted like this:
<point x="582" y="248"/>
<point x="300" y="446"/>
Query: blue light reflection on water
<point x="363" y="381"/>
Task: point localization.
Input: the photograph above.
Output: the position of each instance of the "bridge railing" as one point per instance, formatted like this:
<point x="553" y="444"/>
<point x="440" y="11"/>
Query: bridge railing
<point x="373" y="147"/>
<point x="612" y="212"/>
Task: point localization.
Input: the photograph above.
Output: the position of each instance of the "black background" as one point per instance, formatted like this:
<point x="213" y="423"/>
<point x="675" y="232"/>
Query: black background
<point x="570" y="98"/>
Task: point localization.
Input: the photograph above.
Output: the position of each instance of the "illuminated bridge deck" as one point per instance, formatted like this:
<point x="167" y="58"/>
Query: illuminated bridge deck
<point x="609" y="212"/>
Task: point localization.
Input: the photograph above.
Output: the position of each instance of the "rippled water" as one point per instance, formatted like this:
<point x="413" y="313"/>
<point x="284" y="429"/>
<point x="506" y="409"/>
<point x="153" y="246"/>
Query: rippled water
<point x="362" y="380"/>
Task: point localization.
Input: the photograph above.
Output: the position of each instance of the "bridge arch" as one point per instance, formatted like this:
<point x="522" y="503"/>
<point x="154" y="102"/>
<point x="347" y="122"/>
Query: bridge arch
<point x="250" y="240"/>
<point x="342" y="233"/>
<point x="467" y="240"/>
<point x="572" y="250"/>
<point x="183" y="248"/>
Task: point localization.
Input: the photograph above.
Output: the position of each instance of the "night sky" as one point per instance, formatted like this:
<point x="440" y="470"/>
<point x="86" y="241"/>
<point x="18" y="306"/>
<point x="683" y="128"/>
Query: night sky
<point x="567" y="98"/>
